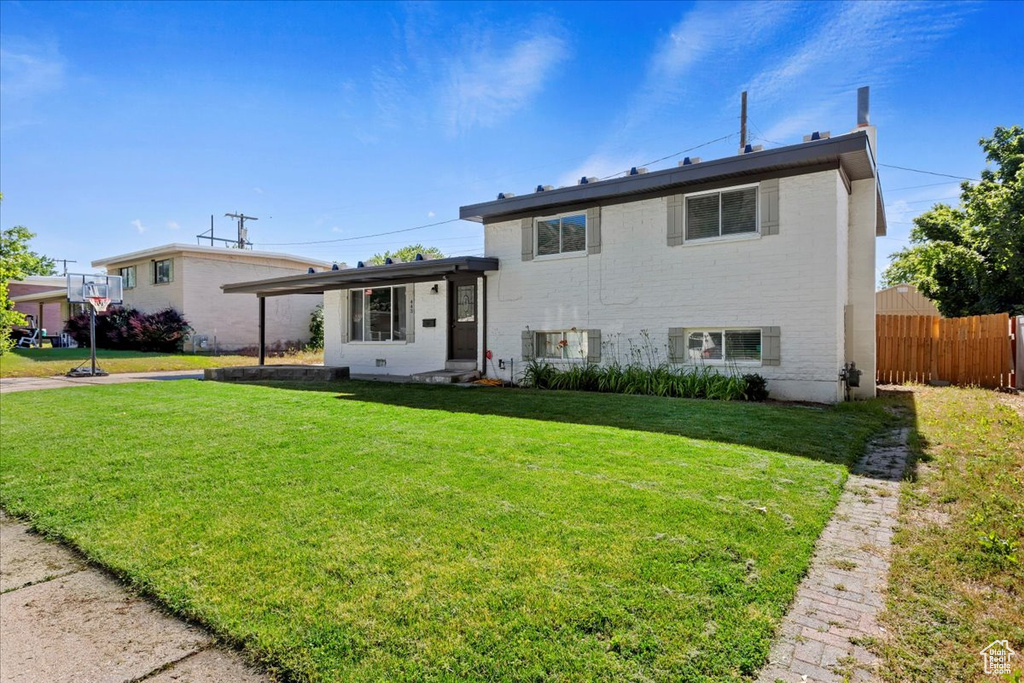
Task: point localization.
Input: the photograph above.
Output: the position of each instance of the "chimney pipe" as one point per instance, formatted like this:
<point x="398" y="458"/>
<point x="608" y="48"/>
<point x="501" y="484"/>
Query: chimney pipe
<point x="863" y="107"/>
<point x="743" y="121"/>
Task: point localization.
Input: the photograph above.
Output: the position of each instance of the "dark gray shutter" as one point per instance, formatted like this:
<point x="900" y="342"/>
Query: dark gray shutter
<point x="594" y="230"/>
<point x="770" y="207"/>
<point x="527" y="224"/>
<point x="528" y="353"/>
<point x="771" y="347"/>
<point x="676" y="345"/>
<point x="593" y="346"/>
<point x="343" y="315"/>
<point x="675" y="220"/>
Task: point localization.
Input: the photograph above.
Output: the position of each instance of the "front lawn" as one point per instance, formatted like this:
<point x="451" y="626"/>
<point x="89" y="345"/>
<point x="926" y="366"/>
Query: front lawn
<point x="373" y="531"/>
<point x="47" y="362"/>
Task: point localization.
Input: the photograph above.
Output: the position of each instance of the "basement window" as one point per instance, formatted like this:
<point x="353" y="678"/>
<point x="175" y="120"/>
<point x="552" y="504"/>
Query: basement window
<point x="724" y="346"/>
<point x="562" y="345"/>
<point x="562" y="234"/>
<point x="721" y="213"/>
<point x="379" y="314"/>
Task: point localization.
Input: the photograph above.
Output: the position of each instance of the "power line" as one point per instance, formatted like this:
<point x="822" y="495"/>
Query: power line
<point x="360" y="237"/>
<point x="944" y="175"/>
<point x="649" y="163"/>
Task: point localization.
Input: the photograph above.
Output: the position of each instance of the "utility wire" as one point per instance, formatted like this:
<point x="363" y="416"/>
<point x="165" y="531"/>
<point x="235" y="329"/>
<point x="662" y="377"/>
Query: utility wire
<point x="360" y="237"/>
<point x="944" y="175"/>
<point x="670" y="156"/>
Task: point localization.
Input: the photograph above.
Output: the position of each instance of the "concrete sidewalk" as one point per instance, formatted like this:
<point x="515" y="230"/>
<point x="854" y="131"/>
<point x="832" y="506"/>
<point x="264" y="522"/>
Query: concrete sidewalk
<point x="12" y="384"/>
<point x="63" y="621"/>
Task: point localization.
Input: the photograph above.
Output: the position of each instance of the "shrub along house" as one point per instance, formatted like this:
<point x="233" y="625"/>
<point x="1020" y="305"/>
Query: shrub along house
<point x="187" y="278"/>
<point x="762" y="262"/>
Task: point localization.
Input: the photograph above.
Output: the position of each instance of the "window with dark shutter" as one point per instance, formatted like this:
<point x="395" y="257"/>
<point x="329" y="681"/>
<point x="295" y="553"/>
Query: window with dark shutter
<point x="720" y="214"/>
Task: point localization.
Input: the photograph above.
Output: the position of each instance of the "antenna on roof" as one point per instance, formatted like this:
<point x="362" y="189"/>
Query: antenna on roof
<point x="241" y="242"/>
<point x="743" y="121"/>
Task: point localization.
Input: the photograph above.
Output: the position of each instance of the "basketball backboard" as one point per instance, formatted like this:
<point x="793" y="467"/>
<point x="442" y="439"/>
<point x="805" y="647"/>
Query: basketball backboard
<point x="82" y="287"/>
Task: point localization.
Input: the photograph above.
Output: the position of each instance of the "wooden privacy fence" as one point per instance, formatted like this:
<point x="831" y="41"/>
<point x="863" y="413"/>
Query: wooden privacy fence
<point x="966" y="351"/>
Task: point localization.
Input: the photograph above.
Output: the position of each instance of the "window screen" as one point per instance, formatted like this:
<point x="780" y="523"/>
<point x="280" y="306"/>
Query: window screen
<point x="743" y="345"/>
<point x="562" y="345"/>
<point x="562" y="235"/>
<point x="730" y="346"/>
<point x="732" y="212"/>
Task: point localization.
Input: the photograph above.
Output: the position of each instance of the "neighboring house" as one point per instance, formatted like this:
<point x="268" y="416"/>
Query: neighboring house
<point x="904" y="300"/>
<point x="188" y="279"/>
<point x="763" y="262"/>
<point x="40" y="297"/>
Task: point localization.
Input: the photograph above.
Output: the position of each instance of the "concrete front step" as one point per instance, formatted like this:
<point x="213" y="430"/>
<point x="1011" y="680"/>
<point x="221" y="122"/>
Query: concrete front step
<point x="460" y="365"/>
<point x="263" y="373"/>
<point x="446" y="376"/>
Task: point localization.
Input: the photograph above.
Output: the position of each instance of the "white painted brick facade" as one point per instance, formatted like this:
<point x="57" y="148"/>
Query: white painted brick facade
<point x="798" y="280"/>
<point x="801" y="280"/>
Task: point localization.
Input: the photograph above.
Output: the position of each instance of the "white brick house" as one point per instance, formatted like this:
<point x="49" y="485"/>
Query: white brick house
<point x="762" y="262"/>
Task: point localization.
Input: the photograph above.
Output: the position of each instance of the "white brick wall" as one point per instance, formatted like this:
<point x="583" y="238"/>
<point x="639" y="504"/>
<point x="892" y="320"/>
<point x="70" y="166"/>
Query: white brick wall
<point x="427" y="352"/>
<point x="796" y="280"/>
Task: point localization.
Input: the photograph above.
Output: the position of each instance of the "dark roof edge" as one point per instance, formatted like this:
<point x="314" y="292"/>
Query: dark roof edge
<point x="335" y="279"/>
<point x="803" y="154"/>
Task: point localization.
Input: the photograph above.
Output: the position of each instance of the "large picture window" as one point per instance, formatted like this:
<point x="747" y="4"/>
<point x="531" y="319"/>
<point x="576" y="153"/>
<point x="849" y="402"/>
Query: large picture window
<point x="724" y="346"/>
<point x="720" y="214"/>
<point x="379" y="314"/>
<point x="562" y="235"/>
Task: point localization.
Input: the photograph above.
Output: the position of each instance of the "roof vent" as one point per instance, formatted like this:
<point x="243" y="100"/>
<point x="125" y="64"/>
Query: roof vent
<point x="310" y="271"/>
<point x="545" y="188"/>
<point x="637" y="171"/>
<point x="391" y="260"/>
<point x="818" y="135"/>
<point x="421" y="257"/>
<point x="688" y="161"/>
<point x="360" y="265"/>
<point x="334" y="266"/>
<point x="506" y="195"/>
<point x="752" y="148"/>
<point x="586" y="181"/>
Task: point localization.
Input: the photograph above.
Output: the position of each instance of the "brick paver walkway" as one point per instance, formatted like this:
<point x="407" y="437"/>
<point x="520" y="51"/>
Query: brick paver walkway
<point x="835" y="609"/>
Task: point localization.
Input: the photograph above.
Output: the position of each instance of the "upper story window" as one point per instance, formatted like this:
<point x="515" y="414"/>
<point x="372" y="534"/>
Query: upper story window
<point x="562" y="235"/>
<point x="379" y="314"/>
<point x="127" y="277"/>
<point x="163" y="271"/>
<point x="721" y="213"/>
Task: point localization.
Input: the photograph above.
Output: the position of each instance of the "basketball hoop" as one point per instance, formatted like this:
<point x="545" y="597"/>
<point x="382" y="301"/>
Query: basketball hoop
<point x="100" y="303"/>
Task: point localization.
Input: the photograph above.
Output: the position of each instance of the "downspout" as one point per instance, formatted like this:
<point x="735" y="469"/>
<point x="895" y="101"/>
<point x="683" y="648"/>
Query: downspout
<point x="263" y="330"/>
<point x="483" y="321"/>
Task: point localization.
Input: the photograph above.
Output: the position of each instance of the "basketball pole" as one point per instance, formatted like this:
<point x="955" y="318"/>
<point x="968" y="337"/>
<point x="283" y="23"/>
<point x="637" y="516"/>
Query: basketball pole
<point x="92" y="337"/>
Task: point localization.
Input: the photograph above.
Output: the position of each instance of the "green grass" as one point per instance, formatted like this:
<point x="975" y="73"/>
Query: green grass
<point x="373" y="531"/>
<point x="957" y="575"/>
<point x="47" y="362"/>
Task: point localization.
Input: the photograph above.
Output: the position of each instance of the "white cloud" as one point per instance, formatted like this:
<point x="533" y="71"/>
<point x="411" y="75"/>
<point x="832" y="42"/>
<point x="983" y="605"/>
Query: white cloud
<point x="27" y="71"/>
<point x="139" y="226"/>
<point x="336" y="229"/>
<point x="430" y="214"/>
<point x="486" y="85"/>
<point x="173" y="225"/>
<point x="258" y="190"/>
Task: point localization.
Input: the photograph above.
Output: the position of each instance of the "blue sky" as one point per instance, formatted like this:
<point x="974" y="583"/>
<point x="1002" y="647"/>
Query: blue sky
<point x="127" y="125"/>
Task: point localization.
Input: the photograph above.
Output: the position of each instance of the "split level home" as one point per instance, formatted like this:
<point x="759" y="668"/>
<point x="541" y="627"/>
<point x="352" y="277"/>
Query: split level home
<point x="762" y="262"/>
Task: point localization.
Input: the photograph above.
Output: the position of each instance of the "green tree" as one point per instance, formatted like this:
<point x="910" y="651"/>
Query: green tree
<point x="406" y="254"/>
<point x="17" y="262"/>
<point x="970" y="259"/>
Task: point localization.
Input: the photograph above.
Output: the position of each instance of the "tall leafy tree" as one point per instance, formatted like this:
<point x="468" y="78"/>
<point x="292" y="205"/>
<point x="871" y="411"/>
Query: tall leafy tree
<point x="17" y="261"/>
<point x="406" y="254"/>
<point x="969" y="259"/>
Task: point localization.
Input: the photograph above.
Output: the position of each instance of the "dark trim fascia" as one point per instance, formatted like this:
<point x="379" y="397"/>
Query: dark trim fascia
<point x="802" y="158"/>
<point x="678" y="189"/>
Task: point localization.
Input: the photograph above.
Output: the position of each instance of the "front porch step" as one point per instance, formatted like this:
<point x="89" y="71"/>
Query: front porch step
<point x="446" y="376"/>
<point x="460" y="365"/>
